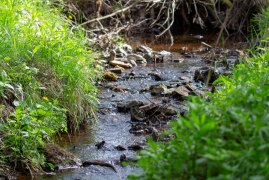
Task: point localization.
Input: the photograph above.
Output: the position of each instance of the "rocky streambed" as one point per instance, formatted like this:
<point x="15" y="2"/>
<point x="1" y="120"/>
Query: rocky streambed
<point x="143" y="90"/>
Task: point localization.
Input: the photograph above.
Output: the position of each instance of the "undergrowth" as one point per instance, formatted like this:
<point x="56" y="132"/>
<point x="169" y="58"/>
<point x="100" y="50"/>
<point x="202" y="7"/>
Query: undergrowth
<point x="47" y="73"/>
<point x="225" y="136"/>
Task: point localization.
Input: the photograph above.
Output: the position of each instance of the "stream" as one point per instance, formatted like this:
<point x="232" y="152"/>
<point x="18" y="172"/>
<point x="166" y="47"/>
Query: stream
<point x="113" y="126"/>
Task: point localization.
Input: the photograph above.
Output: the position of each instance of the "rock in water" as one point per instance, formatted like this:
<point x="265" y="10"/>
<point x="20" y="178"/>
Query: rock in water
<point x="120" y="64"/>
<point x="206" y="75"/>
<point x="181" y="91"/>
<point x="110" y="76"/>
<point x="126" y="106"/>
<point x="158" y="90"/>
<point x="60" y="157"/>
<point x="120" y="148"/>
<point x="100" y="144"/>
<point x="137" y="58"/>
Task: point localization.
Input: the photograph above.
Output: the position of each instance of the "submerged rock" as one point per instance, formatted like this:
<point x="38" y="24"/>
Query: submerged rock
<point x="119" y="88"/>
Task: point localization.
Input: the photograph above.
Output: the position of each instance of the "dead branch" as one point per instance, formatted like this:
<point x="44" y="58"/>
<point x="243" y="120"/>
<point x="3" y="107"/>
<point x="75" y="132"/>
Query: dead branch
<point x="110" y="15"/>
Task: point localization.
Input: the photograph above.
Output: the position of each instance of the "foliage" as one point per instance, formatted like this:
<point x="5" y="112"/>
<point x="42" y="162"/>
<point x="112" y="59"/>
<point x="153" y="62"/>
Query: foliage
<point x="223" y="137"/>
<point x="28" y="128"/>
<point x="47" y="70"/>
<point x="36" y="35"/>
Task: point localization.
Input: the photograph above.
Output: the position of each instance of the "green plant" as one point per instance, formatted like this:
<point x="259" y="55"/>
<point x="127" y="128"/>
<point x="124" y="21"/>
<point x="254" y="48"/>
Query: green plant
<point x="223" y="137"/>
<point x="28" y="128"/>
<point x="38" y="36"/>
<point x="47" y="72"/>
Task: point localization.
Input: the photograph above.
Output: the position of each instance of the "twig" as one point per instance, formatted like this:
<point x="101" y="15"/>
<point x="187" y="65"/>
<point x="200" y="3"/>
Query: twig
<point x="110" y="15"/>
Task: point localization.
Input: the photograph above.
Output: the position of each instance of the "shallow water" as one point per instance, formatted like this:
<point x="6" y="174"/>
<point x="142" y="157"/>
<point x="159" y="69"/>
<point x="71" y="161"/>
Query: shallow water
<point x="112" y="126"/>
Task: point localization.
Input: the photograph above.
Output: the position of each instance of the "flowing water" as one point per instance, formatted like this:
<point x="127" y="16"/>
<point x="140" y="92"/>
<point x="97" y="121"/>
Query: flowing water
<point x="112" y="126"/>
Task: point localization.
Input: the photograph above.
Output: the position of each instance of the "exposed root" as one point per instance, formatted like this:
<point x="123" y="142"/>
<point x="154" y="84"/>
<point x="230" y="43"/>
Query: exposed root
<point x="158" y="16"/>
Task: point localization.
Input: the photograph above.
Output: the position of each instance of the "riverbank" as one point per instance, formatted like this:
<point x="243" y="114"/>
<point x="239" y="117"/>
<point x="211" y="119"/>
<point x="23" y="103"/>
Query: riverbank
<point x="46" y="82"/>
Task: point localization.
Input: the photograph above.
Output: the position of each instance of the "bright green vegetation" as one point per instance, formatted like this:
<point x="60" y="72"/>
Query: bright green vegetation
<point x="46" y="74"/>
<point x="225" y="136"/>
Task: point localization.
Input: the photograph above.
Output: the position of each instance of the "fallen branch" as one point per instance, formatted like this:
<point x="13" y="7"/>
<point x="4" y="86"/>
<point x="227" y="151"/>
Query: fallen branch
<point x="98" y="163"/>
<point x="110" y="15"/>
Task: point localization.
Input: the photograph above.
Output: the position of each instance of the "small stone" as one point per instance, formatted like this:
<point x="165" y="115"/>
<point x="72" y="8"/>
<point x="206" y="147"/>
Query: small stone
<point x="123" y="158"/>
<point x="185" y="78"/>
<point x="120" y="63"/>
<point x="100" y="144"/>
<point x="181" y="91"/>
<point x="145" y="49"/>
<point x="133" y="62"/>
<point x="169" y="110"/>
<point x="137" y="58"/>
<point x="158" y="90"/>
<point x="135" y="147"/>
<point x="117" y="70"/>
<point x="126" y="106"/>
<point x="178" y="60"/>
<point x="165" y="53"/>
<point x="206" y="75"/>
<point x="120" y="148"/>
<point x="132" y="73"/>
<point x="110" y="76"/>
<point x="119" y="88"/>
<point x="156" y="75"/>
<point x="191" y="87"/>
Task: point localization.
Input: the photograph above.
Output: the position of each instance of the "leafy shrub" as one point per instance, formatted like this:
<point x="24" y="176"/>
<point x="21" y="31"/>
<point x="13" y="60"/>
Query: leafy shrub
<point x="47" y="70"/>
<point x="28" y="128"/>
<point x="225" y="137"/>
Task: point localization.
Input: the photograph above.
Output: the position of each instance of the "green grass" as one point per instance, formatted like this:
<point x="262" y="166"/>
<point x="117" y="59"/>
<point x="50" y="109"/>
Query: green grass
<point x="226" y="136"/>
<point x="47" y="72"/>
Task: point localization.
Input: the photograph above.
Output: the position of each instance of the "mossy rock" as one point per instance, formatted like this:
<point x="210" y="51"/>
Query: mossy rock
<point x="60" y="157"/>
<point x="110" y="76"/>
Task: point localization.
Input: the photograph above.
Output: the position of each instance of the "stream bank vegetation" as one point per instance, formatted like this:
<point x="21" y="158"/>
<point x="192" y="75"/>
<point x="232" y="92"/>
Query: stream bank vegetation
<point x="47" y="78"/>
<point x="226" y="135"/>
